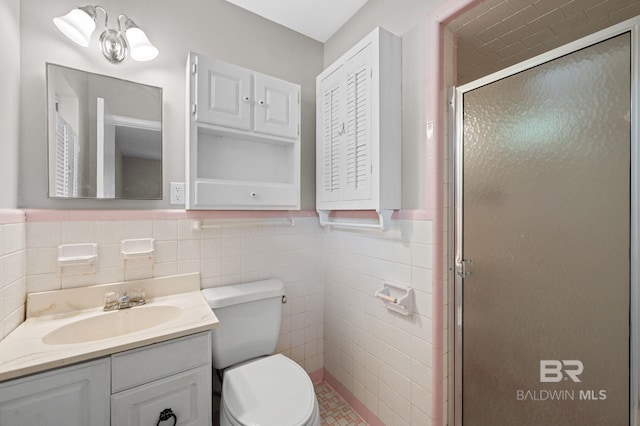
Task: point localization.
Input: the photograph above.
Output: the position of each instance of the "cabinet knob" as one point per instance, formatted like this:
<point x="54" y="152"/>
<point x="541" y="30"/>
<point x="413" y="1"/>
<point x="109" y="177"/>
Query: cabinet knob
<point x="165" y="415"/>
<point x="261" y="102"/>
<point x="246" y="99"/>
<point x="253" y="194"/>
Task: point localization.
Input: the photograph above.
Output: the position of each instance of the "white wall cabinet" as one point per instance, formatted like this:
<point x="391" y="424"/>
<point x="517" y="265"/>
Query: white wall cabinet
<point x="359" y="127"/>
<point x="130" y="388"/>
<point x="244" y="138"/>
<point x="71" y="396"/>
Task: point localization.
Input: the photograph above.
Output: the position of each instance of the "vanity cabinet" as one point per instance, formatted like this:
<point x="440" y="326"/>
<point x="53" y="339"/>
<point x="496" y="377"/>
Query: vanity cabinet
<point x="130" y="388"/>
<point x="243" y="132"/>
<point x="70" y="396"/>
<point x="173" y="375"/>
<point x="359" y="127"/>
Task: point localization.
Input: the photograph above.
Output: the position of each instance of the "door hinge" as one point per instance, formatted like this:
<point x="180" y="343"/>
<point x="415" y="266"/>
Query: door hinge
<point x="464" y="267"/>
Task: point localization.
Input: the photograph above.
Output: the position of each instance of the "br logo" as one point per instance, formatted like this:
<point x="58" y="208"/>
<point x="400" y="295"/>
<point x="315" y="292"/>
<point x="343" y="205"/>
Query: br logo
<point x="553" y="371"/>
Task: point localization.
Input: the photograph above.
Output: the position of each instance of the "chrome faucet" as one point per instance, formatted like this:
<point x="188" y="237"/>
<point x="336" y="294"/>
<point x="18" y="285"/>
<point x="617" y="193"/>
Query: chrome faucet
<point x="124" y="301"/>
<point x="113" y="301"/>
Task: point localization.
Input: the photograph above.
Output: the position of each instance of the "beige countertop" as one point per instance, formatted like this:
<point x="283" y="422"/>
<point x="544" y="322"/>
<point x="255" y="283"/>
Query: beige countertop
<point x="24" y="351"/>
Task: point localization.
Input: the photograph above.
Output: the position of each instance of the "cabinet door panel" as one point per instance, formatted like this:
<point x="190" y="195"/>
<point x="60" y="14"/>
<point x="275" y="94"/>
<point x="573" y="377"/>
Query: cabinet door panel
<point x="223" y="94"/>
<point x="276" y="107"/>
<point x="70" y="396"/>
<point x="358" y="125"/>
<point x="188" y="395"/>
<point x="330" y="158"/>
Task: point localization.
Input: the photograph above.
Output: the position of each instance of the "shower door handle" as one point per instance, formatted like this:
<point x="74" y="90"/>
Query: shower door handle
<point x="464" y="267"/>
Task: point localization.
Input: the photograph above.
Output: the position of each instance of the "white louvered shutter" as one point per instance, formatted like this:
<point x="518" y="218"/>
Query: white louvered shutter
<point x="333" y="129"/>
<point x="66" y="174"/>
<point x="61" y="167"/>
<point x="358" y="126"/>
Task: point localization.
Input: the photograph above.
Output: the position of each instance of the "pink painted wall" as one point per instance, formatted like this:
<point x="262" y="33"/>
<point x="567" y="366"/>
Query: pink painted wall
<point x="435" y="188"/>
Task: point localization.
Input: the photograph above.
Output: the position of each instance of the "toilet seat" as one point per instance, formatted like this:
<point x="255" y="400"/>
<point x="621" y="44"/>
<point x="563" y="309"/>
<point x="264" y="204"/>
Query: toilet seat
<point x="271" y="391"/>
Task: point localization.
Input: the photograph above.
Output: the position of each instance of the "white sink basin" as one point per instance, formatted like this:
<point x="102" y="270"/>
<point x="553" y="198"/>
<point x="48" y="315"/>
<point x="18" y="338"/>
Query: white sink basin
<point x="112" y="324"/>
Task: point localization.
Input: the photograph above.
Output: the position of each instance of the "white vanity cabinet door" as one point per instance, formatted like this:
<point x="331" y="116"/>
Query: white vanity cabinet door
<point x="277" y="107"/>
<point x="187" y="395"/>
<point x="71" y="396"/>
<point x="223" y="93"/>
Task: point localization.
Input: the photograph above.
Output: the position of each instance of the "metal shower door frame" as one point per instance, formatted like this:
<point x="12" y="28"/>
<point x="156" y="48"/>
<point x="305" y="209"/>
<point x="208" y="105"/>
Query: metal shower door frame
<point x="457" y="265"/>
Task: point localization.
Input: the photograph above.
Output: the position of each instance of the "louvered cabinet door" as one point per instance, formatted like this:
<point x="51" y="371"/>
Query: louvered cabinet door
<point x="358" y="126"/>
<point x="331" y="150"/>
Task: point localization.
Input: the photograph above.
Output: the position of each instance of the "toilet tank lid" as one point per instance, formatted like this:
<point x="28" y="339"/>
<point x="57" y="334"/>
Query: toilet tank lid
<point x="219" y="297"/>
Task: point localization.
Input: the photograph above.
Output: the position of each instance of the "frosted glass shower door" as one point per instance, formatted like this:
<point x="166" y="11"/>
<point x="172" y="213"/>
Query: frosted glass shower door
<point x="546" y="157"/>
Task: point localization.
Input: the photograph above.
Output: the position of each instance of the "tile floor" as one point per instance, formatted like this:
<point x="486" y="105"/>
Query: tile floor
<point x="333" y="410"/>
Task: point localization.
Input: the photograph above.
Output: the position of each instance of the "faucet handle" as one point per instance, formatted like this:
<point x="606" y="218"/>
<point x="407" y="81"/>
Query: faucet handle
<point x="110" y="301"/>
<point x="124" y="301"/>
<point x="137" y="296"/>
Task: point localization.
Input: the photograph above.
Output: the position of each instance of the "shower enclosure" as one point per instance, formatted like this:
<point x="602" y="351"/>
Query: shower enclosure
<point x="546" y="238"/>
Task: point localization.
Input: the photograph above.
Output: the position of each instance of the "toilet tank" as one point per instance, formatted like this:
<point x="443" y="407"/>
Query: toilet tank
<point x="249" y="317"/>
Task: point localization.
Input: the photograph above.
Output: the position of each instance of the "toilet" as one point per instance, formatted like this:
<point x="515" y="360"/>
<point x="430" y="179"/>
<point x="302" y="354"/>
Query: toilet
<point x="257" y="388"/>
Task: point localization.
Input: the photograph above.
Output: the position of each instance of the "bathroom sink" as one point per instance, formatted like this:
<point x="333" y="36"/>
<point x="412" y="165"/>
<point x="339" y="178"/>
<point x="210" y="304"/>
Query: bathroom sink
<point x="112" y="324"/>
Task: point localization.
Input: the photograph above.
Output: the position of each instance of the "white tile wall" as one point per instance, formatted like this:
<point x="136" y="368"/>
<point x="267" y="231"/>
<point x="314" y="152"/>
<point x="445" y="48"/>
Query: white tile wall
<point x="12" y="276"/>
<point x="332" y="319"/>
<point x="383" y="358"/>
<point x="226" y="255"/>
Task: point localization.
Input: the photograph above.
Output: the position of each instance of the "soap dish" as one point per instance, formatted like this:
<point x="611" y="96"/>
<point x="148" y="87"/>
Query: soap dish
<point x="137" y="248"/>
<point x="77" y="254"/>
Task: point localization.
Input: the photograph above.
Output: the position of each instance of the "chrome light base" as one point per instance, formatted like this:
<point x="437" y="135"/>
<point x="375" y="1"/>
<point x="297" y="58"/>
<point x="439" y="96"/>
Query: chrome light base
<point x="113" y="46"/>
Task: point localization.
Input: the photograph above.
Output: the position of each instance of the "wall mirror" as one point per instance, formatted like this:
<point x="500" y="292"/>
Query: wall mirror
<point x="105" y="136"/>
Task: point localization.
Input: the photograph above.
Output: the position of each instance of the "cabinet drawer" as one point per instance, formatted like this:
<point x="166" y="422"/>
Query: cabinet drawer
<point x="139" y="366"/>
<point x="187" y="395"/>
<point x="247" y="195"/>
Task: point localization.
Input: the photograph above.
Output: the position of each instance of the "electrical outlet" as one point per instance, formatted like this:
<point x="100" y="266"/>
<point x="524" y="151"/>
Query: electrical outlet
<point x="177" y="193"/>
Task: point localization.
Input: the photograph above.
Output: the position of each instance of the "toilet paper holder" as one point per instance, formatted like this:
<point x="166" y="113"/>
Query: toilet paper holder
<point x="396" y="297"/>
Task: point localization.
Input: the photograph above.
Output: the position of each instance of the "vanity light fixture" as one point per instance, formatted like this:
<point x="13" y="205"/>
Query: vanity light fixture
<point x="80" y="23"/>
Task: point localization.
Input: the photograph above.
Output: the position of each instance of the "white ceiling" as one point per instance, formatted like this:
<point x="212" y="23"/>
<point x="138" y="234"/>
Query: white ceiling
<point x="318" y="19"/>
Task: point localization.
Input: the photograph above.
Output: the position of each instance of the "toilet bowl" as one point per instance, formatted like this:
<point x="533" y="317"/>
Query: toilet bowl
<point x="258" y="389"/>
<point x="271" y="391"/>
